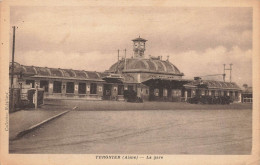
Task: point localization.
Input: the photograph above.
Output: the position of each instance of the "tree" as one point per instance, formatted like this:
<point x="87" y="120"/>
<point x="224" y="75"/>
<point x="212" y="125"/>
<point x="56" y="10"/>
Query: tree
<point x="245" y="86"/>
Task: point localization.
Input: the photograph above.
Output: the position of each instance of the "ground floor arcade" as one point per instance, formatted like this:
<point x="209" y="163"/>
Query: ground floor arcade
<point x="152" y="90"/>
<point x="181" y="90"/>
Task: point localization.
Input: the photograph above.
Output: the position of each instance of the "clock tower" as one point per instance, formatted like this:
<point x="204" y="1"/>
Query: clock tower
<point x="139" y="47"/>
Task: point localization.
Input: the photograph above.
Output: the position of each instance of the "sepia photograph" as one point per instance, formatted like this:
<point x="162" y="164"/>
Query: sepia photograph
<point x="164" y="81"/>
<point x="130" y="82"/>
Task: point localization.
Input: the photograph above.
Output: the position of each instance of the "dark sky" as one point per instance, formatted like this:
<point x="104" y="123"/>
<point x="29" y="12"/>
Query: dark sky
<point x="198" y="40"/>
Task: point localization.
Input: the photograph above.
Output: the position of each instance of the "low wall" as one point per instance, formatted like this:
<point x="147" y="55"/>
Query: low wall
<point x="72" y="96"/>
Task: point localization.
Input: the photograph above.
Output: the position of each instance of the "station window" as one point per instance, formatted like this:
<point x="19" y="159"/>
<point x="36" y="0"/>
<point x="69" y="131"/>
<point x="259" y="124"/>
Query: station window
<point x="225" y="93"/>
<point x="156" y="92"/>
<point x="120" y="89"/>
<point x="189" y="93"/>
<point x="130" y="87"/>
<point x="82" y="88"/>
<point x="70" y="87"/>
<point x="93" y="88"/>
<point x="45" y="85"/>
<point x="236" y="94"/>
<point x="56" y="87"/>
<point x="30" y="82"/>
<point x="206" y="92"/>
<point x="213" y="93"/>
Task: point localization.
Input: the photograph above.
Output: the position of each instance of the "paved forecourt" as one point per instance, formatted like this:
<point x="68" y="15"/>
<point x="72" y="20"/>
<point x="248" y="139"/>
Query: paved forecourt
<point x="197" y="131"/>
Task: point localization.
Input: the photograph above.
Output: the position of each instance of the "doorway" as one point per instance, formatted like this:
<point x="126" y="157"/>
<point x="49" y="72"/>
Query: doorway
<point x="107" y="91"/>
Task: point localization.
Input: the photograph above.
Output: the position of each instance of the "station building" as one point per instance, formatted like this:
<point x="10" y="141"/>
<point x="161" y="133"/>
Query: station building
<point x="153" y="79"/>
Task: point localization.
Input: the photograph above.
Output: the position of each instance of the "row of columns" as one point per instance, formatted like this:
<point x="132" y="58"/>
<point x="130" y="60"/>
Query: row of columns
<point x="166" y="92"/>
<point x="76" y="87"/>
<point x="216" y="93"/>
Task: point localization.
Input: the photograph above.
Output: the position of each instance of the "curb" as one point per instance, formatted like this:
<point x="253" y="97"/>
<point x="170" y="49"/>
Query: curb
<point x="22" y="133"/>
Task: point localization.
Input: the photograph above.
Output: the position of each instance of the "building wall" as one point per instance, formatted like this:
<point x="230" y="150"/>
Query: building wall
<point x="234" y="94"/>
<point x="63" y="93"/>
<point x="143" y="91"/>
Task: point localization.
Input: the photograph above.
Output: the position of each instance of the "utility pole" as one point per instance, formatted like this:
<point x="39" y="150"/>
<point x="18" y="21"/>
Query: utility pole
<point x="36" y="96"/>
<point x="12" y="70"/>
<point x="117" y="60"/>
<point x="230" y="72"/>
<point x="125" y="59"/>
<point x="224" y="74"/>
<point x="118" y="55"/>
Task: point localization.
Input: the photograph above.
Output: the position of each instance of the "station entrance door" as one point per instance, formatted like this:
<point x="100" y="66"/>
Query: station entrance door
<point x="107" y="91"/>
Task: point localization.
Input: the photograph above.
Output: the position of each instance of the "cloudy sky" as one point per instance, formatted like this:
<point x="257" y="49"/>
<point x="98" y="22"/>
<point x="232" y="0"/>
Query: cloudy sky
<point x="198" y="40"/>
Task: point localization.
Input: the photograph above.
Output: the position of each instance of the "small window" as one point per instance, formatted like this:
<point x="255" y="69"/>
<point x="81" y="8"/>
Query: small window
<point x="30" y="82"/>
<point x="189" y="93"/>
<point x="120" y="89"/>
<point x="156" y="92"/>
<point x="93" y="88"/>
<point x="82" y="88"/>
<point x="206" y="92"/>
<point x="70" y="87"/>
<point x="130" y="87"/>
<point x="45" y="85"/>
<point x="56" y="87"/>
<point x="225" y="93"/>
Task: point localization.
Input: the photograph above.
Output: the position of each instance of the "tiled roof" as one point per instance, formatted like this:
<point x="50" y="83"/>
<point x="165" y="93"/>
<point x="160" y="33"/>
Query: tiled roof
<point x="58" y="73"/>
<point x="212" y="84"/>
<point x="139" y="39"/>
<point x="146" y="65"/>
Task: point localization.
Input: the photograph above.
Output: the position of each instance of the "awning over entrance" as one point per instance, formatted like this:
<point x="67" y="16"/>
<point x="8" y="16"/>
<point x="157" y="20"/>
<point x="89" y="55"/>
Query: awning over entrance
<point x="113" y="78"/>
<point x="166" y="82"/>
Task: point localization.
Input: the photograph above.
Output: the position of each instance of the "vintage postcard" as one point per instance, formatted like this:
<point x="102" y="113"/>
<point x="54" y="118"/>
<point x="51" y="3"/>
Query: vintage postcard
<point x="130" y="82"/>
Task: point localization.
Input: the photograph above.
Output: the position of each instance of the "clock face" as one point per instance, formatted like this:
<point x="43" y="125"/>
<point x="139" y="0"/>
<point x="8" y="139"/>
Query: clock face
<point x="142" y="45"/>
<point x="135" y="45"/>
<point x="138" y="45"/>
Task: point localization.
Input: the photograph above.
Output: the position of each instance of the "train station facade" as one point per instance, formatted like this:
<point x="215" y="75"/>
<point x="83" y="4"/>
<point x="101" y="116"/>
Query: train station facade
<point x="152" y="78"/>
